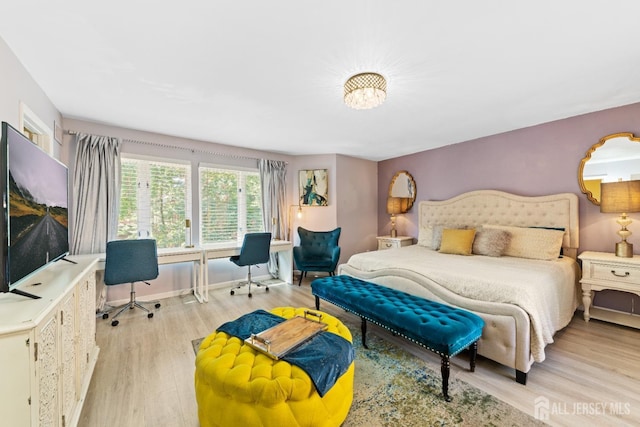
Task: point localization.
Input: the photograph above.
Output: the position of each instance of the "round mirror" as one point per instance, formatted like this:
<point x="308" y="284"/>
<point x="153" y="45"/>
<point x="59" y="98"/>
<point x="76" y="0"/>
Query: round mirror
<point x="403" y="185"/>
<point x="614" y="158"/>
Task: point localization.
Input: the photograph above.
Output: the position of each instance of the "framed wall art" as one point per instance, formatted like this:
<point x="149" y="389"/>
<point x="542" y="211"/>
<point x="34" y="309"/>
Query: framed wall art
<point x="314" y="187"/>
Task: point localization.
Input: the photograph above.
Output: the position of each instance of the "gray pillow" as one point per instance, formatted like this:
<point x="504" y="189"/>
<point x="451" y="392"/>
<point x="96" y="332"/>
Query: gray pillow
<point x="491" y="242"/>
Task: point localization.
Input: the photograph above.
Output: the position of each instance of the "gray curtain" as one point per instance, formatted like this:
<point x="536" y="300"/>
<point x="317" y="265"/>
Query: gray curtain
<point x="273" y="182"/>
<point x="96" y="197"/>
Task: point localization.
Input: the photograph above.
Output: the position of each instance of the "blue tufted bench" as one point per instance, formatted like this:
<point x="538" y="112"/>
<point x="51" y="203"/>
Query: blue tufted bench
<point x="440" y="328"/>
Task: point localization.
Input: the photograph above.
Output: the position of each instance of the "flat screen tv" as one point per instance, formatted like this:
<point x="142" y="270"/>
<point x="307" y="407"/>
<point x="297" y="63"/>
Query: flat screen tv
<point x="35" y="209"/>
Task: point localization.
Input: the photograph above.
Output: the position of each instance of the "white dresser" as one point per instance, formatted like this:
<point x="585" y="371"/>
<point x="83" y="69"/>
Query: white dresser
<point x="48" y="346"/>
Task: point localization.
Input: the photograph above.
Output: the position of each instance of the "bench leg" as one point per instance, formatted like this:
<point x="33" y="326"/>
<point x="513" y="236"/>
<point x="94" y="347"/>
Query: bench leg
<point x="445" y="368"/>
<point x="473" y="348"/>
<point x="317" y="302"/>
<point x="363" y="329"/>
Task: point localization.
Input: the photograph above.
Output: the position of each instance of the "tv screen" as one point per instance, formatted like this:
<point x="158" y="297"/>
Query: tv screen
<point x="35" y="230"/>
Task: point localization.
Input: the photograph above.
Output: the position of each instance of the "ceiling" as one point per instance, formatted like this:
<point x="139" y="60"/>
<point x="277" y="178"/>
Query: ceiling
<point x="270" y="75"/>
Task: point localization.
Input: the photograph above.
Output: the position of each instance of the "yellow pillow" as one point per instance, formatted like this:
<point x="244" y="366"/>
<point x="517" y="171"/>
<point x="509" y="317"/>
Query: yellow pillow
<point x="458" y="242"/>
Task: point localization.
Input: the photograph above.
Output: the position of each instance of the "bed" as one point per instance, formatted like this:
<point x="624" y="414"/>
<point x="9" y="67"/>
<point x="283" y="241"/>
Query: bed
<point x="523" y="297"/>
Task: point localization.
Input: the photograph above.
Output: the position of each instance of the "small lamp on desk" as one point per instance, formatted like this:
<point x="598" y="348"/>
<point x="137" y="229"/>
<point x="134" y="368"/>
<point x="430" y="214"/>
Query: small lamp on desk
<point x="298" y="216"/>
<point x="621" y="197"/>
<point x="394" y="207"/>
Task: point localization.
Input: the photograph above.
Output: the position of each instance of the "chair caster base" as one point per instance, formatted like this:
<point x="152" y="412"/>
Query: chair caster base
<point x="232" y="292"/>
<point x="150" y="315"/>
<point x="157" y="305"/>
<point x="250" y="295"/>
<point x="115" y="323"/>
<point x="105" y="316"/>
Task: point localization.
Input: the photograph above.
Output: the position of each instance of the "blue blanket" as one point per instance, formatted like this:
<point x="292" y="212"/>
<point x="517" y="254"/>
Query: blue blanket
<point x="325" y="357"/>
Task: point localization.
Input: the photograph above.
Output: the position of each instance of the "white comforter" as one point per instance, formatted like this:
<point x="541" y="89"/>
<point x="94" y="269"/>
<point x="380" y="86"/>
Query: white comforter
<point x="546" y="290"/>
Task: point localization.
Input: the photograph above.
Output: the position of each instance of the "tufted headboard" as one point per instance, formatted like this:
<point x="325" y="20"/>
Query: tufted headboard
<point x="499" y="208"/>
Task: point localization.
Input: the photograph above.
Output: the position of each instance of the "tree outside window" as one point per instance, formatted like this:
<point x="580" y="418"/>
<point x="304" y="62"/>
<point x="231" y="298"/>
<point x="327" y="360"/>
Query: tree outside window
<point x="155" y="200"/>
<point x="230" y="204"/>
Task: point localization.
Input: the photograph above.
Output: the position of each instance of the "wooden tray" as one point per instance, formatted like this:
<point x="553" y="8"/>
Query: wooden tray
<point x="277" y="341"/>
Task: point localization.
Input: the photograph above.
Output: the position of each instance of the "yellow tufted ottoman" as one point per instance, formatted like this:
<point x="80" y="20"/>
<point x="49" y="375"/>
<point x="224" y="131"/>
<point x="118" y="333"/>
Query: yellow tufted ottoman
<point x="239" y="386"/>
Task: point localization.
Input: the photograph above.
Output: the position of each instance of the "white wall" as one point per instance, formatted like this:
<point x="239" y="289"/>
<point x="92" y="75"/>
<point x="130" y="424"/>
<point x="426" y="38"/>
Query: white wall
<point x="353" y="189"/>
<point x="16" y="85"/>
<point x="316" y="218"/>
<point x="357" y="190"/>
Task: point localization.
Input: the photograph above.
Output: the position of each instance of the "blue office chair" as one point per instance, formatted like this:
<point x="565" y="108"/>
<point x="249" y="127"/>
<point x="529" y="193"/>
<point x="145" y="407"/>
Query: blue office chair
<point x="130" y="261"/>
<point x="318" y="251"/>
<point x="255" y="250"/>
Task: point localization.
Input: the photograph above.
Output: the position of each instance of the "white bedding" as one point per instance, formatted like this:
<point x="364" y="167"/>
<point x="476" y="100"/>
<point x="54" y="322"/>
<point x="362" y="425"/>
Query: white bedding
<point x="546" y="290"/>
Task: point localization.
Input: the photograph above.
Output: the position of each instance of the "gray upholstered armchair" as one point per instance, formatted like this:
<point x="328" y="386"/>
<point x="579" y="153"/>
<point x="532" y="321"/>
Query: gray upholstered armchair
<point x="318" y="251"/>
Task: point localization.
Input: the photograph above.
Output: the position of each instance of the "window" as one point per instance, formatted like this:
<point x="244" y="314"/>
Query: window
<point x="230" y="204"/>
<point x="155" y="200"/>
<point x="35" y="129"/>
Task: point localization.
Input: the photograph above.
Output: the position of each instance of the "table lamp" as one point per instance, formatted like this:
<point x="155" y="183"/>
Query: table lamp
<point x="621" y="197"/>
<point x="394" y="207"/>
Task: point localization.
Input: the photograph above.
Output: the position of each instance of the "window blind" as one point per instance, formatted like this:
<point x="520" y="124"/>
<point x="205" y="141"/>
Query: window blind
<point x="230" y="204"/>
<point x="155" y="200"/>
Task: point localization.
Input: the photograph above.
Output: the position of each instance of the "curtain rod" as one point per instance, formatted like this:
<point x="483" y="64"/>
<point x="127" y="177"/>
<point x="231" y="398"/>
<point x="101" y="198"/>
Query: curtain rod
<point x="193" y="150"/>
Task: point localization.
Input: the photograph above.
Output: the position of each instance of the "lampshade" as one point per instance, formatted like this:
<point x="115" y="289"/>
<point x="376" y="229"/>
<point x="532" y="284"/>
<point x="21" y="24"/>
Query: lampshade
<point x="394" y="205"/>
<point x="365" y="90"/>
<point x="620" y="197"/>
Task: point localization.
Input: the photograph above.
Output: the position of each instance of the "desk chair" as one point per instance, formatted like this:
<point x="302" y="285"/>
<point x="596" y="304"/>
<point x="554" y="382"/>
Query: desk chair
<point x="255" y="250"/>
<point x="318" y="251"/>
<point x="130" y="261"/>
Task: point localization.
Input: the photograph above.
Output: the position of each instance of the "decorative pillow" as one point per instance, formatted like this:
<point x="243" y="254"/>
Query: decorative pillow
<point x="437" y="233"/>
<point x="491" y="242"/>
<point x="425" y="236"/>
<point x="534" y="243"/>
<point x="457" y="241"/>
<point x="552" y="228"/>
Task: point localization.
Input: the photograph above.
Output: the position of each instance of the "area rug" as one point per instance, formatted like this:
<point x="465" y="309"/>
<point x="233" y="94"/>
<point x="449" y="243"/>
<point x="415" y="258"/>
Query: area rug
<point x="392" y="387"/>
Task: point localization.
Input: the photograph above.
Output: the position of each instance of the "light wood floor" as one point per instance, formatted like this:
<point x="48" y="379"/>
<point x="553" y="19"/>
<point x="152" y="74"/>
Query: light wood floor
<point x="144" y="374"/>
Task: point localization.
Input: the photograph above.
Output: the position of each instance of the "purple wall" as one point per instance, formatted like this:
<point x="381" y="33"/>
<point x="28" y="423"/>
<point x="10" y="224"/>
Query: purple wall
<point x="533" y="161"/>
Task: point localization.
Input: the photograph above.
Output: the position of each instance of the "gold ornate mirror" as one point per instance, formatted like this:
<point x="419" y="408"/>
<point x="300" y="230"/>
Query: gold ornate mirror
<point x="403" y="185"/>
<point x="615" y="157"/>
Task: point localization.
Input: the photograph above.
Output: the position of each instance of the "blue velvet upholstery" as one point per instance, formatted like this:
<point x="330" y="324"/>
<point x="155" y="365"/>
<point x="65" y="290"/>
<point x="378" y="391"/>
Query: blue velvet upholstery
<point x="255" y="250"/>
<point x="325" y="357"/>
<point x="444" y="329"/>
<point x="318" y="251"/>
<point x="440" y="328"/>
<point x="130" y="261"/>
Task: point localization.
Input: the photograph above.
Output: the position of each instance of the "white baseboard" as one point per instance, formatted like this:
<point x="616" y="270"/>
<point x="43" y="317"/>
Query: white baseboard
<point x="182" y="292"/>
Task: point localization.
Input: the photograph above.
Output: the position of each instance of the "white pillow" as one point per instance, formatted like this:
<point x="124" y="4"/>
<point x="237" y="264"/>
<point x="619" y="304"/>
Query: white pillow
<point x="425" y="236"/>
<point x="534" y="243"/>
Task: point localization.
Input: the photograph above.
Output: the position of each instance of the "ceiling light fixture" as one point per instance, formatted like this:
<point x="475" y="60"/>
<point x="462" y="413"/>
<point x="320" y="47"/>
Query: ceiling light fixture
<point x="365" y="90"/>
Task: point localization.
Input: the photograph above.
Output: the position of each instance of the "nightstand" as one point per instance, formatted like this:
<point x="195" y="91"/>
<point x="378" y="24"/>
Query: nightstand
<point x="388" y="242"/>
<point x="602" y="270"/>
